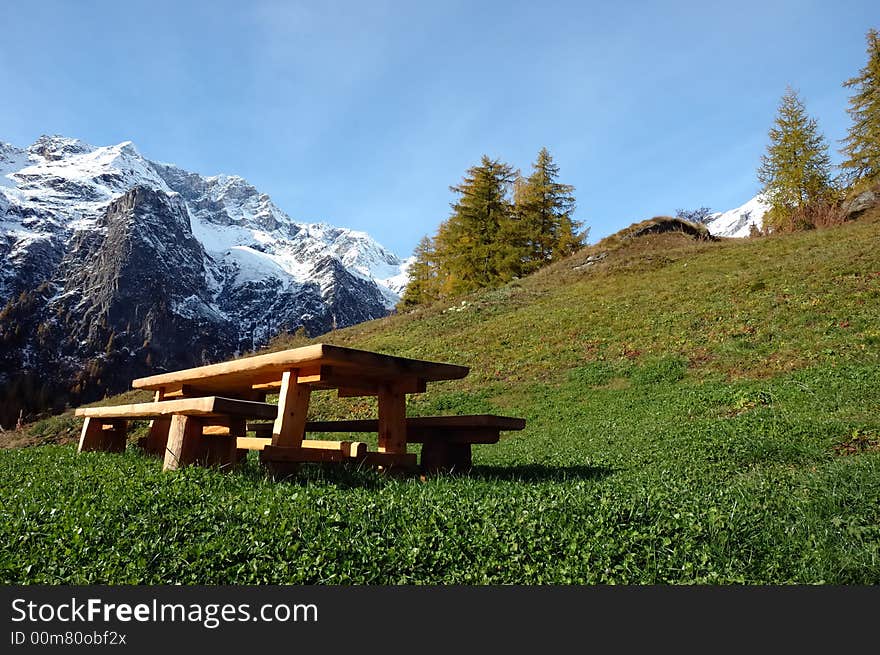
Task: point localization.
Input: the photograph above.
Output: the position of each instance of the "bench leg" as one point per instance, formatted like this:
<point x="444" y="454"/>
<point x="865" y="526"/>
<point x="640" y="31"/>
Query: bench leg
<point x="103" y="435"/>
<point x="91" y="436"/>
<point x="184" y="442"/>
<point x="114" y="437"/>
<point x="439" y="456"/>
<point x="460" y="457"/>
<point x="220" y="450"/>
<point x="392" y="419"/>
<point x="158" y="437"/>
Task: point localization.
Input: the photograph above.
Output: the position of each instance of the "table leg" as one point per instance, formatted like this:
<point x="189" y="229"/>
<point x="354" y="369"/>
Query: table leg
<point x="392" y="419"/>
<point x="293" y="410"/>
<point x="184" y="442"/>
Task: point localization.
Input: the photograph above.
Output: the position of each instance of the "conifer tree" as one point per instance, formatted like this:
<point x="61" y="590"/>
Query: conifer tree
<point x="490" y="238"/>
<point x="543" y="209"/>
<point x="467" y="244"/>
<point x="796" y="169"/>
<point x="861" y="147"/>
<point x="422" y="276"/>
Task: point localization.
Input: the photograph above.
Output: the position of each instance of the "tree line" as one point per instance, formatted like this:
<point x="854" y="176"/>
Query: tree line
<point x="796" y="174"/>
<point x="502" y="226"/>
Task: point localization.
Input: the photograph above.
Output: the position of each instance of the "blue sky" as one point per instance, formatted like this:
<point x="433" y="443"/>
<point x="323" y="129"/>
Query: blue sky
<point x="362" y="114"/>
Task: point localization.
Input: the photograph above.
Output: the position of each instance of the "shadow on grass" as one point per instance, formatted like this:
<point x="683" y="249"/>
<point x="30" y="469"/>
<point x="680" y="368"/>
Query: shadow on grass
<point x="349" y="476"/>
<point x="539" y="473"/>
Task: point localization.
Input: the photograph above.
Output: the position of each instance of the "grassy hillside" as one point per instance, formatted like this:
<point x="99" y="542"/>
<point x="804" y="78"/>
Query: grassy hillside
<point x="697" y="411"/>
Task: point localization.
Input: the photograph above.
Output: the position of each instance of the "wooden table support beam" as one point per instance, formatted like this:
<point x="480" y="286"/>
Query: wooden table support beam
<point x="392" y="419"/>
<point x="293" y="410"/>
<point x="184" y="439"/>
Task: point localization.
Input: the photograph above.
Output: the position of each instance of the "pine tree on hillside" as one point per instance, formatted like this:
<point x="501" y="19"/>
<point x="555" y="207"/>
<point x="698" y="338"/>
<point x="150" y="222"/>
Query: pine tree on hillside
<point x="544" y="229"/>
<point x="490" y="238"/>
<point x="467" y="245"/>
<point x="796" y="170"/>
<point x="861" y="147"/>
<point x="423" y="281"/>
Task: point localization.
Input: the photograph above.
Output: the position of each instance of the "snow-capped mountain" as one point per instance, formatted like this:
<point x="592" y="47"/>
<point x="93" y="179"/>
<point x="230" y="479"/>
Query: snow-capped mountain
<point x="106" y="255"/>
<point x="738" y="222"/>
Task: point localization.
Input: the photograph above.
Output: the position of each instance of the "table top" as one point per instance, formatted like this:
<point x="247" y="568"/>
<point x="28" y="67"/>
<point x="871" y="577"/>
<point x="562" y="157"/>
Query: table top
<point x="319" y="365"/>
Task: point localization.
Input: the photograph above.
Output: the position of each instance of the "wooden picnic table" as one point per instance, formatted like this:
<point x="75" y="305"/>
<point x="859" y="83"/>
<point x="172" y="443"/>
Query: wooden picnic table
<point x="293" y="374"/>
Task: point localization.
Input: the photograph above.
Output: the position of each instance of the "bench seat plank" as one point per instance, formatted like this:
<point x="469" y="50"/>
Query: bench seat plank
<point x="423" y="422"/>
<point x="351" y="449"/>
<point x="480" y="428"/>
<point x="447" y="439"/>
<point x="211" y="406"/>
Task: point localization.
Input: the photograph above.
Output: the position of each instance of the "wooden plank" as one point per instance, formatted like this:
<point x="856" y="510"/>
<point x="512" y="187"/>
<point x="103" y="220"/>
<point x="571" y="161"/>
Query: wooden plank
<point x="442" y="456"/>
<point x="222" y="450"/>
<point x="237" y="427"/>
<point x="261" y="429"/>
<point x="349" y="448"/>
<point x="304" y="375"/>
<point x="270" y="366"/>
<point x="422" y="422"/>
<point x="244" y="392"/>
<point x="484" y="429"/>
<point x="115" y="437"/>
<point x="469" y="421"/>
<point x="147" y="410"/>
<point x="354" y="449"/>
<point x="285" y="454"/>
<point x="392" y="420"/>
<point x="351" y="383"/>
<point x="396" y="366"/>
<point x="91" y="438"/>
<point x="407" y="385"/>
<point x="187" y="391"/>
<point x="219" y="452"/>
<point x="453" y="435"/>
<point x="154" y="443"/>
<point x="158" y="436"/>
<point x="107" y="435"/>
<point x="184" y="441"/>
<point x="450" y="434"/>
<point x="208" y="406"/>
<point x="293" y="410"/>
<point x="253" y="443"/>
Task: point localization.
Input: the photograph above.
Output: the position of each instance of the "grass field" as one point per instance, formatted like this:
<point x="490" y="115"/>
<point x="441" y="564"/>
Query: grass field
<point x="697" y="412"/>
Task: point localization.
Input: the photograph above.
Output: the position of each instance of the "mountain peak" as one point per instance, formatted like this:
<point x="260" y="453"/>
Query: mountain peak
<point x="56" y="146"/>
<point x="738" y="222"/>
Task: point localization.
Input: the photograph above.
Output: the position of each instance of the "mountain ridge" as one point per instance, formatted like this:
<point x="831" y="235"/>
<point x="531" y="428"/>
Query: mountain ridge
<point x="108" y="255"/>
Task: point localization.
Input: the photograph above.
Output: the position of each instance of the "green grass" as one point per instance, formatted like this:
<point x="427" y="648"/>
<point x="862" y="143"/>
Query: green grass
<point x="697" y="413"/>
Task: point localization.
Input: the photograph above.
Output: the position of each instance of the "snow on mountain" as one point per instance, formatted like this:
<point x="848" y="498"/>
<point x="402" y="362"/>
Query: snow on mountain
<point x="105" y="253"/>
<point x="229" y="214"/>
<point x="738" y="222"/>
<point x="62" y="184"/>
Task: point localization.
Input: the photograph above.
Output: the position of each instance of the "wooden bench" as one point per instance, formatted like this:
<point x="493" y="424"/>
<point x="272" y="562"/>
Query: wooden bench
<point x="177" y="429"/>
<point x="446" y="440"/>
